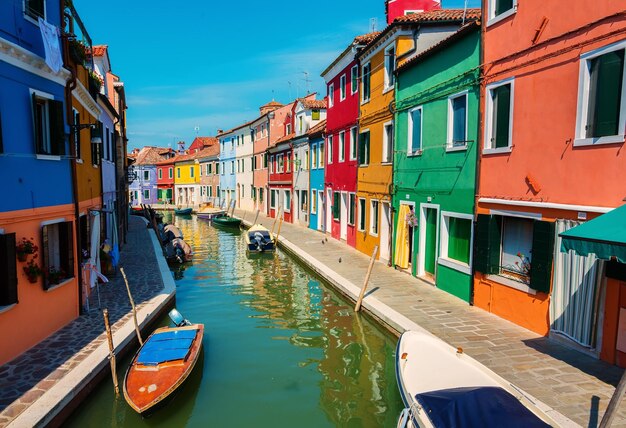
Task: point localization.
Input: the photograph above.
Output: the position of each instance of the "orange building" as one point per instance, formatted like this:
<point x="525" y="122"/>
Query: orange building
<point x="554" y="115"/>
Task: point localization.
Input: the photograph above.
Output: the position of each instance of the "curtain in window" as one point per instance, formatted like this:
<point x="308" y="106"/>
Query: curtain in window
<point x="458" y="125"/>
<point x="459" y="239"/>
<point x="402" y="238"/>
<point x="574" y="301"/>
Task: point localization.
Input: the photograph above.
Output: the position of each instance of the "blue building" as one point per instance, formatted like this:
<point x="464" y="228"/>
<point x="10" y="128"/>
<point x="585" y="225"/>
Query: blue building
<point x="228" y="167"/>
<point x="316" y="178"/>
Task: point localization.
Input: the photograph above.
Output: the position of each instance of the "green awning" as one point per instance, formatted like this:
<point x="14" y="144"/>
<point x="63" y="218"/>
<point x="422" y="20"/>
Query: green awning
<point x="605" y="236"/>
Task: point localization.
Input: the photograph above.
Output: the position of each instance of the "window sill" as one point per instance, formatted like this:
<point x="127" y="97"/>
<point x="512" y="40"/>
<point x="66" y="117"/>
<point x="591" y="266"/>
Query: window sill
<point x="48" y="157"/>
<point x="497" y="151"/>
<point x="60" y="284"/>
<point x="611" y="139"/>
<point x="502" y="16"/>
<point x="7" y="308"/>
<point x="387" y="89"/>
<point x="415" y="153"/>
<point x="373" y="234"/>
<point x="451" y="148"/>
<point x="79" y="161"/>
<point x="365" y="101"/>
<point x="363" y="165"/>
<point x="512" y="284"/>
<point x="387" y="163"/>
<point x="32" y="20"/>
<point x="456" y="265"/>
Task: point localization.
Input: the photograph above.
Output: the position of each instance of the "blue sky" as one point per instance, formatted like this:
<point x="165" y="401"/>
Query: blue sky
<point x="212" y="64"/>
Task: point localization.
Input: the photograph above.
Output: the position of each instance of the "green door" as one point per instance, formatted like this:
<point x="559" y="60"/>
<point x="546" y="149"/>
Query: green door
<point x="430" y="253"/>
<point x="169" y="195"/>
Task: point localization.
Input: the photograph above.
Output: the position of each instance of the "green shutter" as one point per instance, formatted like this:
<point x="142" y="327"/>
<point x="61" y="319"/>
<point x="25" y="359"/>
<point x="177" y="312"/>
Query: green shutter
<point x="336" y="205"/>
<point x="57" y="127"/>
<point x="487" y="244"/>
<point x="8" y="270"/>
<point x="459" y="239"/>
<point x="66" y="247"/>
<point x="543" y="252"/>
<point x="502" y="115"/>
<point x="605" y="94"/>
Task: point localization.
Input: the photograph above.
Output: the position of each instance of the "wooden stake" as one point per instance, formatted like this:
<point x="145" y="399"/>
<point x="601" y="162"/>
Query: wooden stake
<point x="277" y="214"/>
<point x="357" y="308"/>
<point x="278" y="233"/>
<point x="609" y="414"/>
<point x="257" y="216"/>
<point x="132" y="304"/>
<point x="107" y="326"/>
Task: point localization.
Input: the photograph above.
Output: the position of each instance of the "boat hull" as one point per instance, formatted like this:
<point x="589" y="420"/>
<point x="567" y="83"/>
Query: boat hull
<point x="259" y="240"/>
<point x="148" y="384"/>
<point x="227" y="221"/>
<point x="210" y="214"/>
<point x="184" y="211"/>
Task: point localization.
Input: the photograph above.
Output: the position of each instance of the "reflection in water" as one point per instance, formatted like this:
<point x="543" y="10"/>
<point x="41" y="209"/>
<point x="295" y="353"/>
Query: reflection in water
<point x="281" y="348"/>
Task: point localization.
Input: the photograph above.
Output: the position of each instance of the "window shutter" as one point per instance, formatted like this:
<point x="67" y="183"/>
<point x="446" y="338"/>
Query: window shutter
<point x="1" y="146"/>
<point x="605" y="94"/>
<point x="8" y="270"/>
<point x="502" y="111"/>
<point x="336" y="205"/>
<point x="543" y="252"/>
<point x="44" y="255"/>
<point x="66" y="247"/>
<point x="37" y="137"/>
<point x="487" y="244"/>
<point x="57" y="127"/>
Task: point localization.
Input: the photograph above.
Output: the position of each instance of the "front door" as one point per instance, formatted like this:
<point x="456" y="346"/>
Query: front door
<point x="385" y="226"/>
<point x="320" y="210"/>
<point x="329" y="198"/>
<point x="430" y="253"/>
<point x="344" y="216"/>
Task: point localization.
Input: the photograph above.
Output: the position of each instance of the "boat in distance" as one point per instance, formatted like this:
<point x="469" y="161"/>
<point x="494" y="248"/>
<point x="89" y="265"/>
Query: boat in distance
<point x="443" y="387"/>
<point x="162" y="364"/>
<point x="183" y="211"/>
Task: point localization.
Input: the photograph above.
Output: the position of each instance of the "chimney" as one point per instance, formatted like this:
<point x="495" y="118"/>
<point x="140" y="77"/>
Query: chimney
<point x="181" y="147"/>
<point x="406" y="7"/>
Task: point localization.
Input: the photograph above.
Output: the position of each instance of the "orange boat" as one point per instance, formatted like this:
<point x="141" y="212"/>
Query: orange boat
<point x="162" y="364"/>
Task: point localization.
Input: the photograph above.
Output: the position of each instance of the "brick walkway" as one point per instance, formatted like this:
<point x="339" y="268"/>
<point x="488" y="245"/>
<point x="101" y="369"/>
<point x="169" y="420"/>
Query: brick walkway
<point x="26" y="378"/>
<point x="574" y="384"/>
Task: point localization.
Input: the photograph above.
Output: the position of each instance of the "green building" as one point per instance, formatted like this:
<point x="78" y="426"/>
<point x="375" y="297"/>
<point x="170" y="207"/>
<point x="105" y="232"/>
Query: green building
<point x="434" y="172"/>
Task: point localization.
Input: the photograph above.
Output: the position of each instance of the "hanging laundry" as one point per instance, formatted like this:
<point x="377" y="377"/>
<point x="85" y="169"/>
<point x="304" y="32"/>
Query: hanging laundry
<point x="50" y="35"/>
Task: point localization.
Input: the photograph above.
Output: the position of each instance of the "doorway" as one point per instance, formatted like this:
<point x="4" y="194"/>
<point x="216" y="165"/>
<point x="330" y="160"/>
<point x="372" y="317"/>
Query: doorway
<point x="385" y="234"/>
<point x="429" y="235"/>
<point x="344" y="216"/>
<point x="329" y="198"/>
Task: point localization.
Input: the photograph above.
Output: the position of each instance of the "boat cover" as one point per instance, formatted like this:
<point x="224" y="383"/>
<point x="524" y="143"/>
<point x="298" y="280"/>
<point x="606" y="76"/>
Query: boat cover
<point x="166" y="346"/>
<point x="482" y="406"/>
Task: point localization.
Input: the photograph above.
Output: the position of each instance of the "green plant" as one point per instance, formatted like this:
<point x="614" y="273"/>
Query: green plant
<point x="55" y="275"/>
<point x="32" y="270"/>
<point x="78" y="51"/>
<point x="26" y="246"/>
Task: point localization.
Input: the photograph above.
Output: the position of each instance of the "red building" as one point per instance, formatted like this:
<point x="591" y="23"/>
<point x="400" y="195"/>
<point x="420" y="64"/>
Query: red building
<point x="340" y="175"/>
<point x="165" y="180"/>
<point x="280" y="179"/>
<point x="395" y="8"/>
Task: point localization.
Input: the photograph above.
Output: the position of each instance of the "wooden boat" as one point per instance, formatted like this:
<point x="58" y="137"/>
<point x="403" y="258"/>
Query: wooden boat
<point x="227" y="221"/>
<point x="162" y="364"/>
<point x="183" y="211"/>
<point x="259" y="239"/>
<point x="209" y="213"/>
<point x="443" y="387"/>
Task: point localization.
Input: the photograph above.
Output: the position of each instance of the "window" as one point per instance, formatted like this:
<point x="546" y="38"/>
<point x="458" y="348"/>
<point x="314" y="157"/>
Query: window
<point x="260" y="194"/>
<point x="351" y="208"/>
<point x="191" y="171"/>
<point x="518" y="249"/>
<point x="288" y="161"/>
<point x="342" y="146"/>
<point x="601" y="116"/>
<point x="303" y="200"/>
<point x="500" y="9"/>
<point x="354" y="79"/>
<point x="280" y="166"/>
<point x="456" y="241"/>
<point x="171" y="173"/>
<point x="313" y="201"/>
<point x="146" y="175"/>
<point x="390" y="66"/>
<point x="373" y="217"/>
<point x="353" y="143"/>
<point x="232" y="167"/>
<point x="321" y="156"/>
<point x="8" y="270"/>
<point x="306" y="159"/>
<point x="331" y="95"/>
<point x="314" y="156"/>
<point x="364" y="148"/>
<point x="264" y="160"/>
<point x="457" y="121"/>
<point x="330" y="149"/>
<point x="388" y="142"/>
<point x="287" y="206"/>
<point x="178" y="172"/>
<point x="271" y="164"/>
<point x="361" y="214"/>
<point x="160" y="173"/>
<point x="499" y="117"/>
<point x="217" y="168"/>
<point x="315" y="114"/>
<point x="342" y="87"/>
<point x="146" y="194"/>
<point x="272" y="198"/>
<point x="336" y="206"/>
<point x="300" y="124"/>
<point x="415" y="132"/>
<point x="35" y="8"/>
<point x="76" y="134"/>
<point x="201" y="169"/>
<point x="57" y="251"/>
<point x="288" y="128"/>
<point x="49" y="131"/>
<point x="365" y="78"/>
<point x="209" y="168"/>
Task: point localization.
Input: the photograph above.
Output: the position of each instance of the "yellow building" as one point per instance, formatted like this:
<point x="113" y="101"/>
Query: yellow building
<point x="187" y="180"/>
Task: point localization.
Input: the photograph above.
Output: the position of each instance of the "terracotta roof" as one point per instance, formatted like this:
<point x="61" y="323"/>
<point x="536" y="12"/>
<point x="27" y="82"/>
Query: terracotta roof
<point x="318" y="129"/>
<point x="466" y="29"/>
<point x="150" y="155"/>
<point x="366" y="38"/>
<point x="285" y="138"/>
<point x="201" y="142"/>
<point x="272" y="104"/>
<point x="310" y="104"/>
<point x="99" y="50"/>
<point x="439" y="16"/>
<point x="209" y="151"/>
<point x="236" y="127"/>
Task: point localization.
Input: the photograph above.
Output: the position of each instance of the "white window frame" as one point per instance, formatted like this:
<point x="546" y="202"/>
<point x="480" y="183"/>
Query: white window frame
<point x="361" y="215"/>
<point x="313" y="203"/>
<point x="47" y="137"/>
<point x="143" y="194"/>
<point x="444" y="240"/>
<point x="354" y="142"/>
<point x="314" y="156"/>
<point x="409" y="148"/>
<point x="487" y="149"/>
<point x="331" y="95"/>
<point x="146" y="175"/>
<point x="342" y="146"/>
<point x="343" y="88"/>
<point x="354" y="82"/>
<point x="371" y="223"/>
<point x="363" y="74"/>
<point x="30" y="18"/>
<point x="352" y="207"/>
<point x="583" y="99"/>
<point x="272" y="164"/>
<point x="450" y="144"/>
<point x="386" y="142"/>
<point x="329" y="150"/>
<point x="492" y="10"/>
<point x="160" y="173"/>
<point x="171" y="172"/>
<point x="389" y="78"/>
<point x="286" y="207"/>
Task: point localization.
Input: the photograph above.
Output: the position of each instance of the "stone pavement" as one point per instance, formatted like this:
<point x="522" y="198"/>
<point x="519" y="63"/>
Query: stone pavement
<point x="574" y="384"/>
<point x="27" y="378"/>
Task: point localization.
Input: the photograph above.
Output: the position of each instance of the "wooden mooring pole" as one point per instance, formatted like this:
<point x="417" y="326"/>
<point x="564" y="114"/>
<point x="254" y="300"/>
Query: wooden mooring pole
<point x="107" y="326"/>
<point x="611" y="409"/>
<point x="278" y="233"/>
<point x="257" y="217"/>
<point x="357" y="308"/>
<point x="132" y="304"/>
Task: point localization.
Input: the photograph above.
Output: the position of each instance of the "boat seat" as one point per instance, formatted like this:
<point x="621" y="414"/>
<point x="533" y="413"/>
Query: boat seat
<point x="166" y="346"/>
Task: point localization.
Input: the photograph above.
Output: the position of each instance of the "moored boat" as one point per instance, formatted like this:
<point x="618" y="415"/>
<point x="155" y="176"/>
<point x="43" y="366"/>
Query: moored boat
<point x="183" y="211"/>
<point x="227" y="221"/>
<point x="443" y="387"/>
<point x="209" y="213"/>
<point x="162" y="364"/>
<point x="259" y="239"/>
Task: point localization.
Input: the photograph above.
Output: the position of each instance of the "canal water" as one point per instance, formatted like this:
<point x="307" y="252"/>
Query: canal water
<point x="282" y="349"/>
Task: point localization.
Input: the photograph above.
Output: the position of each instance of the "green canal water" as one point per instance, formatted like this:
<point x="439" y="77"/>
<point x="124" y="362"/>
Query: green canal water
<point x="282" y="349"/>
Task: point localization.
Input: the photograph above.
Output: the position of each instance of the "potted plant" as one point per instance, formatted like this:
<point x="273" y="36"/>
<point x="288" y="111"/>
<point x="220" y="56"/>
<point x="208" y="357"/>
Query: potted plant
<point x="32" y="270"/>
<point x="95" y="83"/>
<point x="411" y="219"/>
<point x="55" y="275"/>
<point x="78" y="51"/>
<point x="24" y="248"/>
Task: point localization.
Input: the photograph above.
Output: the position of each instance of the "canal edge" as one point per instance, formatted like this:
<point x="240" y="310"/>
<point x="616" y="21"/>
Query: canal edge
<point x="52" y="407"/>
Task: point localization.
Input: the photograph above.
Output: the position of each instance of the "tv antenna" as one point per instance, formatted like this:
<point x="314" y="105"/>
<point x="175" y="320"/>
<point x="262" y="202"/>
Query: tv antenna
<point x="307" y="82"/>
<point x="373" y="24"/>
<point x="197" y="129"/>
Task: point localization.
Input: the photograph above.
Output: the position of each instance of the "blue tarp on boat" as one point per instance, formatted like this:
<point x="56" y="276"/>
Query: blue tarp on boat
<point x="479" y="407"/>
<point x="166" y="346"/>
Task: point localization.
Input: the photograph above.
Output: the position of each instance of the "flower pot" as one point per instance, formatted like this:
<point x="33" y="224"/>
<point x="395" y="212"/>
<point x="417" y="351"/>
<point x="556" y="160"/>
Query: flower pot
<point x="21" y="257"/>
<point x="32" y="279"/>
